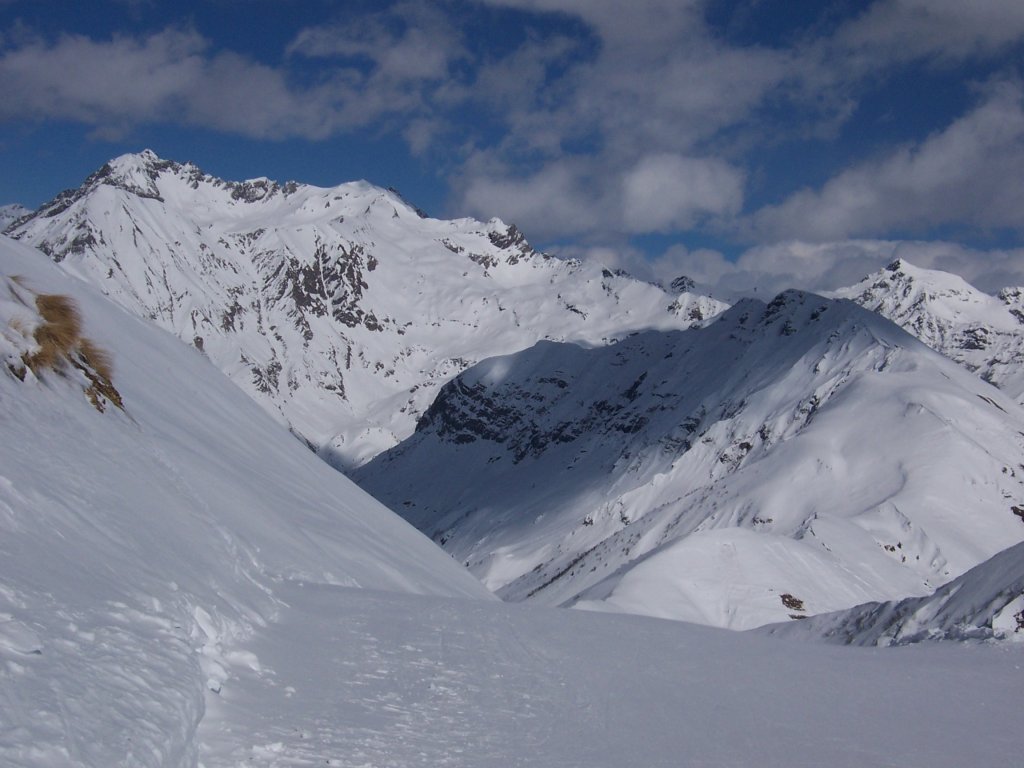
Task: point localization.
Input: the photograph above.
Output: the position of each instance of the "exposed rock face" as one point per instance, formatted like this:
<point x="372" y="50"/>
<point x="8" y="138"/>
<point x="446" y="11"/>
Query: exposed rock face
<point x="341" y="310"/>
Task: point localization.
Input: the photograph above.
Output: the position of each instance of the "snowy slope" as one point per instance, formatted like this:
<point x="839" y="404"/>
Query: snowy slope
<point x="139" y="547"/>
<point x="983" y="333"/>
<point x="340" y="310"/>
<point x="789" y="459"/>
<point x="986" y="603"/>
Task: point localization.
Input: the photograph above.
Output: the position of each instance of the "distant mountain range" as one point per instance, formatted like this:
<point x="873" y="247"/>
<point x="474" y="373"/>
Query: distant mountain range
<point x="656" y="452"/>
<point x="183" y="583"/>
<point x="986" y="603"/>
<point x="340" y="310"/>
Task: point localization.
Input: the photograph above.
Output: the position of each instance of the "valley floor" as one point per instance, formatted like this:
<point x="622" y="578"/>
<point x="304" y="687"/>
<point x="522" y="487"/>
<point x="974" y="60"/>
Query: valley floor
<point x="352" y="677"/>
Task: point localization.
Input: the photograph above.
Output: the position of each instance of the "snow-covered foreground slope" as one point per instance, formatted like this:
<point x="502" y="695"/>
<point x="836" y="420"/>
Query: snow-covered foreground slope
<point x="985" y="603"/>
<point x="789" y="459"/>
<point x="413" y="681"/>
<point x="341" y="310"/>
<point x="983" y="333"/>
<point x="140" y="548"/>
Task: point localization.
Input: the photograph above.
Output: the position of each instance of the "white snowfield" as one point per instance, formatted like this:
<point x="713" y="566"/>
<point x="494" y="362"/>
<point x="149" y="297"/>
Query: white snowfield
<point x="341" y="310"/>
<point x="140" y="548"/>
<point x="788" y="459"/>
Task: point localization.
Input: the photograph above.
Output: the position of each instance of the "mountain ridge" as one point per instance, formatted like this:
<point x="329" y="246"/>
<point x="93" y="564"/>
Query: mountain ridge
<point x="590" y="476"/>
<point x="981" y="332"/>
<point x="340" y="310"/>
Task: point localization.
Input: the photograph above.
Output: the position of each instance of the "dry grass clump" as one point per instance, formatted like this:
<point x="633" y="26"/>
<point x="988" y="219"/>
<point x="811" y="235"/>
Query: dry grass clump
<point x="59" y="342"/>
<point x="59" y="336"/>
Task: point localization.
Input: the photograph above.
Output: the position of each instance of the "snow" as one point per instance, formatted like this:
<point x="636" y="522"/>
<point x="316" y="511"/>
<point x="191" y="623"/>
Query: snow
<point x="139" y="547"/>
<point x="806" y="447"/>
<point x="987" y="603"/>
<point x="413" y="681"/>
<point x="11" y="213"/>
<point x="984" y="333"/>
<point x="183" y="584"/>
<point x="341" y="310"/>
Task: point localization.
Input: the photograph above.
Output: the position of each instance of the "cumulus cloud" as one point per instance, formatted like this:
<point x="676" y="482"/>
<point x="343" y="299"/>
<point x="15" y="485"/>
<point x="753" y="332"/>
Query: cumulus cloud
<point x="765" y="270"/>
<point x="174" y="76"/>
<point x="407" y="42"/>
<point x="662" y="83"/>
<point x="967" y="174"/>
<point x="666" y="192"/>
<point x="555" y="201"/>
<point x="899" y="30"/>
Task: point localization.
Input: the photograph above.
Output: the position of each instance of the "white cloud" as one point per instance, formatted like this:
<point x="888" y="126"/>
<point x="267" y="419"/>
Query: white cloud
<point x="666" y="192"/>
<point x="968" y="175"/>
<point x="899" y="30"/>
<point x="175" y="77"/>
<point x="554" y="201"/>
<point x="407" y="42"/>
<point x="765" y="270"/>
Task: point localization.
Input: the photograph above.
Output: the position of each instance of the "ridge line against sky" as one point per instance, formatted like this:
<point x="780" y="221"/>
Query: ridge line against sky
<point x="746" y="143"/>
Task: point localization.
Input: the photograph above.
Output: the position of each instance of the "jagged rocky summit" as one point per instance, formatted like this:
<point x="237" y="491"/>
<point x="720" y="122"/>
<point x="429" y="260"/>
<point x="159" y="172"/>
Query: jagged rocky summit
<point x="340" y="310"/>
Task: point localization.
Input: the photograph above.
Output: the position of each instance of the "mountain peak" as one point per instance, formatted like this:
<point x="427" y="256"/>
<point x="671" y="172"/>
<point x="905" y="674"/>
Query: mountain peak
<point x="983" y="333"/>
<point x="341" y="309"/>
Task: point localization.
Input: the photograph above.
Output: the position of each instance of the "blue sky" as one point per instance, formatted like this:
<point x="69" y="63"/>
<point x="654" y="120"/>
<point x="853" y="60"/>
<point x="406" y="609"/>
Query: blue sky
<point x="743" y="142"/>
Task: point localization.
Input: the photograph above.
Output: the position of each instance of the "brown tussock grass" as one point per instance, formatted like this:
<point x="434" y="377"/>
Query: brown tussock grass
<point x="59" y="335"/>
<point x="60" y="341"/>
<point x="98" y="359"/>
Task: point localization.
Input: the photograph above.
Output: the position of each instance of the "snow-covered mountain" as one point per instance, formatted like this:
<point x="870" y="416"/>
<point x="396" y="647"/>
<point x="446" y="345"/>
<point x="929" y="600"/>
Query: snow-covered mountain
<point x="788" y="459"/>
<point x="143" y="537"/>
<point x="182" y="584"/>
<point x="985" y="603"/>
<point x="340" y="310"/>
<point x="983" y="333"/>
<point x="11" y="213"/>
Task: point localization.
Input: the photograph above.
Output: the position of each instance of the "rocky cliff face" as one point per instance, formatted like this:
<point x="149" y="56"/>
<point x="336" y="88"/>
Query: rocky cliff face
<point x="341" y="310"/>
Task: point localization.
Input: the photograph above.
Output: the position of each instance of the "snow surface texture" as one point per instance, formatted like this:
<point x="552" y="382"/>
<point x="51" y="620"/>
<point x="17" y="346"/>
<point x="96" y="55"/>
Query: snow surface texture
<point x="421" y="681"/>
<point x="789" y="459"/>
<point x="341" y="311"/>
<point x="985" y="603"/>
<point x="983" y="333"/>
<point x="140" y="548"/>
